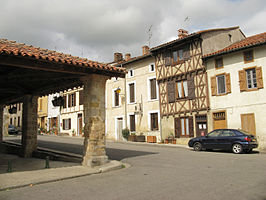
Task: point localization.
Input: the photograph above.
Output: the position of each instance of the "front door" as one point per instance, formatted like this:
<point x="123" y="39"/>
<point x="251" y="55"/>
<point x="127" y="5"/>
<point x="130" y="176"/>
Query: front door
<point x="119" y="128"/>
<point x="201" y="125"/>
<point x="80" y="124"/>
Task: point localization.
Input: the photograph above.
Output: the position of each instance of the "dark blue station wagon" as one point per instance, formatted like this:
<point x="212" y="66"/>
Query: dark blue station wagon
<point x="225" y="139"/>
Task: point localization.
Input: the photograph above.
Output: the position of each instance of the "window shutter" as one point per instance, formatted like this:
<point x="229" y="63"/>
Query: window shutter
<point x="74" y="99"/>
<point x="81" y="97"/>
<point x="228" y="83"/>
<point x="191" y="129"/>
<point x="64" y="124"/>
<point x="177" y="127"/>
<point x="69" y="121"/>
<point x="69" y="100"/>
<point x="259" y="77"/>
<point x="65" y="101"/>
<point x="132" y="93"/>
<point x="153" y="88"/>
<point x="213" y="86"/>
<point x="242" y="80"/>
<point x="171" y="91"/>
<point x="186" y="52"/>
<point x="191" y="87"/>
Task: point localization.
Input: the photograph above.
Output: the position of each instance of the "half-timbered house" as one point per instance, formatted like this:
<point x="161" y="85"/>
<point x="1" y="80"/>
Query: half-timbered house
<point x="182" y="80"/>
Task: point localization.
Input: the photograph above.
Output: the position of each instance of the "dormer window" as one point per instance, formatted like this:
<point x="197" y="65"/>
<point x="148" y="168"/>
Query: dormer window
<point x="152" y="67"/>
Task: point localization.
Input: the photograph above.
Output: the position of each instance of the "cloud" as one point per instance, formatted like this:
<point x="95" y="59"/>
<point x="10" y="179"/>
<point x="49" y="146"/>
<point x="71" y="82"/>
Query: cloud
<point x="97" y="29"/>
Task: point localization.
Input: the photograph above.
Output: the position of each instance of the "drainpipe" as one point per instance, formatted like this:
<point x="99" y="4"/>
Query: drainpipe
<point x="125" y="95"/>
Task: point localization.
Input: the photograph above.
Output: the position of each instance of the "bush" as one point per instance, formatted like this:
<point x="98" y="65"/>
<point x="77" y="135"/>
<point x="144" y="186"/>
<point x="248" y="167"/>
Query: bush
<point x="125" y="133"/>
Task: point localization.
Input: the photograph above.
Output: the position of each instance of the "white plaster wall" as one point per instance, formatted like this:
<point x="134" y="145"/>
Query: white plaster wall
<point x="237" y="103"/>
<point x="140" y="78"/>
<point x="52" y="111"/>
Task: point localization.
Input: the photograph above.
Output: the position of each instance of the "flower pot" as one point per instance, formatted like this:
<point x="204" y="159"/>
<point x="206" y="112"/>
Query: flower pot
<point x="140" y="138"/>
<point x="132" y="138"/>
<point x="151" y="139"/>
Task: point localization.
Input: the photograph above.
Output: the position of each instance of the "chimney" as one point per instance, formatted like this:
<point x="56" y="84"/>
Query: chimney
<point x="118" y="57"/>
<point x="127" y="56"/>
<point x="182" y="33"/>
<point x="145" y="50"/>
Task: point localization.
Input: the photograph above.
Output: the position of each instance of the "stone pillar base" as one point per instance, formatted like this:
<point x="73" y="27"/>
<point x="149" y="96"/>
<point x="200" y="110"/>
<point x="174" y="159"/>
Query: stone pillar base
<point x="94" y="161"/>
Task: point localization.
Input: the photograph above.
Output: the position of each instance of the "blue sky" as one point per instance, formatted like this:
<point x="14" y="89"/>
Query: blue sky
<point x="97" y="29"/>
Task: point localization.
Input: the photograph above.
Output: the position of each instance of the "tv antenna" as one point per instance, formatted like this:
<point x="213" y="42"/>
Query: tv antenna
<point x="150" y="35"/>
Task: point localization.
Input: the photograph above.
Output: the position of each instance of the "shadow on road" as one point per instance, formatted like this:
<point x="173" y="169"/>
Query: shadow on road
<point x="112" y="153"/>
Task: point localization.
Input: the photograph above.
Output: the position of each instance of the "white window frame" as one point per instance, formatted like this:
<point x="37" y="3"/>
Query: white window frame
<point x="251" y="78"/>
<point x="149" y="89"/>
<point x="218" y="84"/>
<point x="128" y="121"/>
<point x="128" y="92"/>
<point x="149" y="119"/>
<point x="150" y="67"/>
<point x="129" y="74"/>
<point x="113" y="97"/>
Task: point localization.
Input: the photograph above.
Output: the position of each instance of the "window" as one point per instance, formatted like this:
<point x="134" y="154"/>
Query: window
<point x="251" y="78"/>
<point x="248" y="56"/>
<point x="81" y="97"/>
<point x="152" y="67"/>
<point x="19" y="107"/>
<point x="65" y="101"/>
<point x="153" y="93"/>
<point x="67" y="124"/>
<point x="116" y="98"/>
<point x="132" y="123"/>
<point x="72" y="100"/>
<point x="167" y="58"/>
<point x="218" y="63"/>
<point x="178" y="55"/>
<point x="182" y="89"/>
<point x="40" y="106"/>
<point x="11" y="121"/>
<point x="184" y="127"/>
<point x="154" y="121"/>
<point x="130" y="73"/>
<point x="215" y="133"/>
<point x="131" y="92"/>
<point x="221" y="84"/>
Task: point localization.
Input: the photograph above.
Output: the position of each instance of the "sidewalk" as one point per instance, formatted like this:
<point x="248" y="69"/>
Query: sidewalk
<point x="31" y="171"/>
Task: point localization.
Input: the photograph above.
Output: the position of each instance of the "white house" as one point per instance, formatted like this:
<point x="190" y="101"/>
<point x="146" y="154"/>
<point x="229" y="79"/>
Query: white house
<point x="237" y="77"/>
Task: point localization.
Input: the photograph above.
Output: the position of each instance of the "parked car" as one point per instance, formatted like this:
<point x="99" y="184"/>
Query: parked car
<point x="225" y="139"/>
<point x="12" y="130"/>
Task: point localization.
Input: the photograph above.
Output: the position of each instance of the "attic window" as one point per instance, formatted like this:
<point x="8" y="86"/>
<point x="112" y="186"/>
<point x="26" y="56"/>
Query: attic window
<point x="131" y="73"/>
<point x="230" y="37"/>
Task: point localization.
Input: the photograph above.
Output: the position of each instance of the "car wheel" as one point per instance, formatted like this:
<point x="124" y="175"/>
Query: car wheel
<point x="197" y="146"/>
<point x="237" y="148"/>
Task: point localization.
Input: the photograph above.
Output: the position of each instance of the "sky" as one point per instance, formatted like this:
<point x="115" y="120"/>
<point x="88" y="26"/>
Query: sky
<point x="96" y="29"/>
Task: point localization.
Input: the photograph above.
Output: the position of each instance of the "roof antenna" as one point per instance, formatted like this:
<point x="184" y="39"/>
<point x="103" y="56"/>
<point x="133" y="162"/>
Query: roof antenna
<point x="150" y="35"/>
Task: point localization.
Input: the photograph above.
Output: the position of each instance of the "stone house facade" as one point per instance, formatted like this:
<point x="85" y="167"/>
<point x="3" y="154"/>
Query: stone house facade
<point x="137" y="105"/>
<point x="237" y="77"/>
<point x="42" y="112"/>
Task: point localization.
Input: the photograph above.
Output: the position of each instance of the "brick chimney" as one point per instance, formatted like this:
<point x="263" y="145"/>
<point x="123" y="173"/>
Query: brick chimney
<point x="145" y="50"/>
<point x="127" y="56"/>
<point x="182" y="33"/>
<point x="118" y="57"/>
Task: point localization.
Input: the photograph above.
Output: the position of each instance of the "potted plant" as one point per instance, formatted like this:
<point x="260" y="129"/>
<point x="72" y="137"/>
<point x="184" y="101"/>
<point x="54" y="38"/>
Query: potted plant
<point x="132" y="137"/>
<point x="125" y="133"/>
<point x="170" y="139"/>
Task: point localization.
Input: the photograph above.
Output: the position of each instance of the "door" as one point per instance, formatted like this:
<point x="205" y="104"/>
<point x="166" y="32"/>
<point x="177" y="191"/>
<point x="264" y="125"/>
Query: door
<point x="211" y="140"/>
<point x="119" y="128"/>
<point x="80" y="124"/>
<point x="248" y="123"/>
<point x="201" y="125"/>
<point x="219" y="120"/>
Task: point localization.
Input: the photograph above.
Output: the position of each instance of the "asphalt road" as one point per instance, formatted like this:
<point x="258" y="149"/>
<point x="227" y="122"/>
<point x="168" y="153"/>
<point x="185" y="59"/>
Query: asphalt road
<point x="156" y="173"/>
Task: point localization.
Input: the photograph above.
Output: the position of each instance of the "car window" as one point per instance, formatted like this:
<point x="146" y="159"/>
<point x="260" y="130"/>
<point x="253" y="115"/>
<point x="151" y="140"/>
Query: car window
<point x="226" y="133"/>
<point x="239" y="133"/>
<point x="215" y="133"/>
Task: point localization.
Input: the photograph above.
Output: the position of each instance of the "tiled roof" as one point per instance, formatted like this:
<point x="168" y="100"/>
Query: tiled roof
<point x="20" y="49"/>
<point x="124" y="62"/>
<point x="191" y="35"/>
<point x="251" y="41"/>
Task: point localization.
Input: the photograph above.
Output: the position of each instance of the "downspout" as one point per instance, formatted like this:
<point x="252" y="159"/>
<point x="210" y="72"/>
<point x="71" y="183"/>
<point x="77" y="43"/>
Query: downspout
<point x="125" y="96"/>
